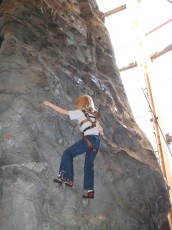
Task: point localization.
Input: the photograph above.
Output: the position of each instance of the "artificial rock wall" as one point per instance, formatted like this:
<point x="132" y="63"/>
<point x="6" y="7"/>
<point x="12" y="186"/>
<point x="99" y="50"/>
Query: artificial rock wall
<point x="59" y="50"/>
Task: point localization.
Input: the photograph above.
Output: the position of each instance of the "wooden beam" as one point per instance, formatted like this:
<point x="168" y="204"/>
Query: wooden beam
<point x="160" y="53"/>
<point x="157" y="131"/>
<point x="116" y="10"/>
<point x="152" y="57"/>
<point x="129" y="66"/>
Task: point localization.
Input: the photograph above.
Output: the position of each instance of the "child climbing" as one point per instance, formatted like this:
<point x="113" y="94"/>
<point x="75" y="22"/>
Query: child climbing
<point x="86" y="118"/>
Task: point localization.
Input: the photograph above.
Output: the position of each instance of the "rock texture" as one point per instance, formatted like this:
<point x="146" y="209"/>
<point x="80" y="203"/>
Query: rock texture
<point x="59" y="50"/>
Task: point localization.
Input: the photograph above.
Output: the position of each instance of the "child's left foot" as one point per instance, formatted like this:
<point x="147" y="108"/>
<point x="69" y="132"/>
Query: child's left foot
<point x="58" y="180"/>
<point x="89" y="195"/>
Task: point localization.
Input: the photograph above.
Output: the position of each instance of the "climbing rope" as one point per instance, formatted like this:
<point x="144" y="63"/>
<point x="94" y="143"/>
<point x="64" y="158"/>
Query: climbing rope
<point x="154" y="117"/>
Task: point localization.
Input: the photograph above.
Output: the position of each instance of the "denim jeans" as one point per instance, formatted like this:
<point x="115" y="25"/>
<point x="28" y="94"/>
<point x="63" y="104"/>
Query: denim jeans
<point x="80" y="147"/>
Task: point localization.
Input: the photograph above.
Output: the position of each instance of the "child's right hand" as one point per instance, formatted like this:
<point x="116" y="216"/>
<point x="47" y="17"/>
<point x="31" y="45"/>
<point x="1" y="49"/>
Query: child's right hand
<point x="46" y="102"/>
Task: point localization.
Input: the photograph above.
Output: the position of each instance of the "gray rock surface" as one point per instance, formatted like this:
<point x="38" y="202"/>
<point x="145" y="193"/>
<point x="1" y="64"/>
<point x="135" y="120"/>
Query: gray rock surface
<point x="59" y="50"/>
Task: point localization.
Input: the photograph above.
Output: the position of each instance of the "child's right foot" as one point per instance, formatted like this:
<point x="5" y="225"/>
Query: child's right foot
<point x="65" y="181"/>
<point x="89" y="195"/>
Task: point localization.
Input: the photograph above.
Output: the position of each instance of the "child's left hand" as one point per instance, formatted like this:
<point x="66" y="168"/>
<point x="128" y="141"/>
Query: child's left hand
<point x="100" y="128"/>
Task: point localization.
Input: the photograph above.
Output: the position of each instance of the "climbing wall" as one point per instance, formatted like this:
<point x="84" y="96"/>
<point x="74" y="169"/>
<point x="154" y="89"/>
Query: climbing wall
<point x="59" y="50"/>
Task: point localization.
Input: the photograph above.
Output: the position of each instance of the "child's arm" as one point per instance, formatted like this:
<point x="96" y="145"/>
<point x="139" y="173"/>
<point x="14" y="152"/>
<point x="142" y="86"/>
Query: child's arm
<point x="100" y="129"/>
<point x="56" y="108"/>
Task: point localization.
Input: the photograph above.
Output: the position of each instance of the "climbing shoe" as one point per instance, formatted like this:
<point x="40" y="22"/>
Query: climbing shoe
<point x="58" y="180"/>
<point x="89" y="195"/>
<point x="65" y="181"/>
<point x="68" y="182"/>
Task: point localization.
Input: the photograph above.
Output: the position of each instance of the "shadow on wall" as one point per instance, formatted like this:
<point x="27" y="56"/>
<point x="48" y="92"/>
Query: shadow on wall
<point x="1" y="38"/>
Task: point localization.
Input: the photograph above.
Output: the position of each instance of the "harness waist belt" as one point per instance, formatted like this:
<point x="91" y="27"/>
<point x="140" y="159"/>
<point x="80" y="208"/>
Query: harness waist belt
<point x="90" y="146"/>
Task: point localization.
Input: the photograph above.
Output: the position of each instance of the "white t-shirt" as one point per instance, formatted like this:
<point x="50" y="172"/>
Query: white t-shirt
<point x="79" y="116"/>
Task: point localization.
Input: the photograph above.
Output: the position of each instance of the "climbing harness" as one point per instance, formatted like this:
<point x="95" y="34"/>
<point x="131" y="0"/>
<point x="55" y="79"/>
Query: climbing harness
<point x="93" y="115"/>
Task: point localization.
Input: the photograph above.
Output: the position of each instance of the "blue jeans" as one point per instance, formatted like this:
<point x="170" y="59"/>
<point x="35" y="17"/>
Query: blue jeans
<point x="80" y="147"/>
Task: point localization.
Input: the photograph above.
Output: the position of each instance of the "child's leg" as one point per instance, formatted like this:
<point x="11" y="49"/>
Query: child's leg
<point x="89" y="170"/>
<point x="66" y="165"/>
<point x="89" y="163"/>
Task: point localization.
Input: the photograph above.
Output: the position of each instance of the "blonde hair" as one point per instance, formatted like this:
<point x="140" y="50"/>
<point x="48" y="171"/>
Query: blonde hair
<point x="84" y="102"/>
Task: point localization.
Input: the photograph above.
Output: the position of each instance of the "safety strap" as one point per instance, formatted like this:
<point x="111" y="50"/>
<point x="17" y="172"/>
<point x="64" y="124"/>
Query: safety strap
<point x="90" y="146"/>
<point x="93" y="124"/>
